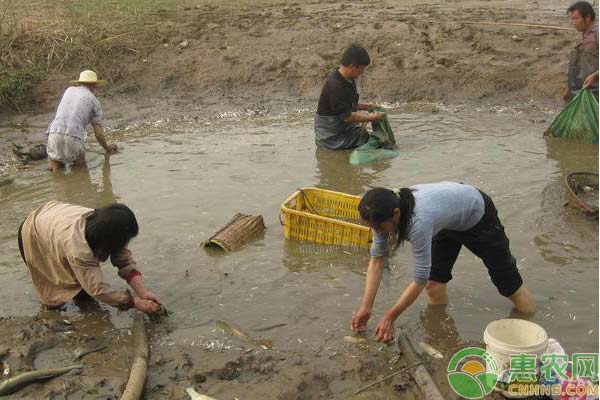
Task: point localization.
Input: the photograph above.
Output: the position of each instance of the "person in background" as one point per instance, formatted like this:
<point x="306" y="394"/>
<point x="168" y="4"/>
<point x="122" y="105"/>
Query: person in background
<point x="437" y="219"/>
<point x="67" y="131"/>
<point x="583" y="60"/>
<point x="339" y="124"/>
<point x="63" y="244"/>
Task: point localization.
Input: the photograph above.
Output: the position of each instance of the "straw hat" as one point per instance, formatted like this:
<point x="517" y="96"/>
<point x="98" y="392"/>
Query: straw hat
<point x="88" y="76"/>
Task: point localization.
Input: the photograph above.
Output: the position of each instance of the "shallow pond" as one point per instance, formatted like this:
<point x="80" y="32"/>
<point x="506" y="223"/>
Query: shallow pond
<point x="184" y="180"/>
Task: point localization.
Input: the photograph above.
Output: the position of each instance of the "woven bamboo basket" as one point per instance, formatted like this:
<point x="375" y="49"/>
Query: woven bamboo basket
<point x="240" y="230"/>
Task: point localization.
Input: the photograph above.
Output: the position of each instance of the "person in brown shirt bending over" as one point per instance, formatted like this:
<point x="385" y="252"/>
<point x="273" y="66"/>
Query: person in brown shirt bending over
<point x="63" y="244"/>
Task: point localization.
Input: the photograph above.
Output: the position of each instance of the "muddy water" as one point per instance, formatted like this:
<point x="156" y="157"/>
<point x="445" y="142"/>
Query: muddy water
<point x="185" y="180"/>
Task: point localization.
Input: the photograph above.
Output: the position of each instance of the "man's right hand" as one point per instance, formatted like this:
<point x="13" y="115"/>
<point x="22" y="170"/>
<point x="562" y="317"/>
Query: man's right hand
<point x="376" y="116"/>
<point x="147" y="306"/>
<point x="112" y="148"/>
<point x="360" y="319"/>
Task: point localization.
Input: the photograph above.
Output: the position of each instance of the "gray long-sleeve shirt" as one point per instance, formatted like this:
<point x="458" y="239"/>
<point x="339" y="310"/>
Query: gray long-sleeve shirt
<point x="444" y="205"/>
<point x="78" y="107"/>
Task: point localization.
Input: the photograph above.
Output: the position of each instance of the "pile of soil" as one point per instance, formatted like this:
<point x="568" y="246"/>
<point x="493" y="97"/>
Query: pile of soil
<point x="229" y="56"/>
<point x="222" y="57"/>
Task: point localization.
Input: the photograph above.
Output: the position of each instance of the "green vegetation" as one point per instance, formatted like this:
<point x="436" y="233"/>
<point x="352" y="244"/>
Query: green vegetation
<point x="14" y="84"/>
<point x="43" y="37"/>
<point x="40" y="39"/>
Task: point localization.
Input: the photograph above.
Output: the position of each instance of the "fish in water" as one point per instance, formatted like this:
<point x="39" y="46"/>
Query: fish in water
<point x="230" y="330"/>
<point x="197" y="396"/>
<point x="33" y="153"/>
<point x="355" y="339"/>
<point x="18" y="382"/>
<point x="268" y="328"/>
<point x="432" y="351"/>
<point x="82" y="353"/>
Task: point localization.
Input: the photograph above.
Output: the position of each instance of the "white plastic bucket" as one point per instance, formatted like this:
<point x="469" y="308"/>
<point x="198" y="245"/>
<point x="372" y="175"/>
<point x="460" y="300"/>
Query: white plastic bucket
<point x="514" y="336"/>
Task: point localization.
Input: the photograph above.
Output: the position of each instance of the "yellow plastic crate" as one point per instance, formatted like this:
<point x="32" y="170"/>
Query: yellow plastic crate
<point x="325" y="217"/>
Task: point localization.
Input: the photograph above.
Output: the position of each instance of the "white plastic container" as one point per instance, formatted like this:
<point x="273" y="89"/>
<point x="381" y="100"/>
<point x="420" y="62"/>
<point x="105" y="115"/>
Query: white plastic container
<point x="514" y="336"/>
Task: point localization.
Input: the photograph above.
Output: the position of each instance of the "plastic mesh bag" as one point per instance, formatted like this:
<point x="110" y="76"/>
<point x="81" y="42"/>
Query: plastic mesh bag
<point x="578" y="121"/>
<point x="380" y="146"/>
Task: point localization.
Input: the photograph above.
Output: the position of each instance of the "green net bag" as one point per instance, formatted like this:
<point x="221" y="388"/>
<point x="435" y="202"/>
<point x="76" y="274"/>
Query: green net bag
<point x="380" y="146"/>
<point x="578" y="121"/>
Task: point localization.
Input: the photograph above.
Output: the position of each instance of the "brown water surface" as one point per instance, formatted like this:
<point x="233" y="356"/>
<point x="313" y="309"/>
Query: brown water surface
<point x="184" y="180"/>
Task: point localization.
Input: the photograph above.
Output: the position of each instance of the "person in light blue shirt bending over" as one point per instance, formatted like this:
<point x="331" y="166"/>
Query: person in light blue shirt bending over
<point x="67" y="131"/>
<point x="437" y="219"/>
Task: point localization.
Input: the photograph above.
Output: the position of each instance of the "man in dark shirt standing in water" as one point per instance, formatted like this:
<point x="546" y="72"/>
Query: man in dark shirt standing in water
<point x="338" y="124"/>
<point x="583" y="60"/>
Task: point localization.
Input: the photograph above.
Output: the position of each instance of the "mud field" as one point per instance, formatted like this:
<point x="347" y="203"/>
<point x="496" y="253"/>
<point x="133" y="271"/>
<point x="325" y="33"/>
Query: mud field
<point x="225" y="125"/>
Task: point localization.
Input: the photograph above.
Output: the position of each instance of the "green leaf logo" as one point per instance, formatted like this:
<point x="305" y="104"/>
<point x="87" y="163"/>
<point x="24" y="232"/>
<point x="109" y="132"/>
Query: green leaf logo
<point x="472" y="373"/>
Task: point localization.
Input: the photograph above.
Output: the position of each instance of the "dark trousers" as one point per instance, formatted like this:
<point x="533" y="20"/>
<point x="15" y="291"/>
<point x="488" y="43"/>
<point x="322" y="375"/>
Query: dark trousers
<point x="487" y="241"/>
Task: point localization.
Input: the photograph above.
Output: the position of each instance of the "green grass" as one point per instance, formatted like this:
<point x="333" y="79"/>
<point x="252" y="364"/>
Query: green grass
<point x="42" y="37"/>
<point x="14" y="84"/>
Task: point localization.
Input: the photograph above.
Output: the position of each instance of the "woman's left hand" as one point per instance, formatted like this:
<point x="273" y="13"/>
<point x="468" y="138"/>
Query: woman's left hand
<point x="150" y="296"/>
<point x="385" y="330"/>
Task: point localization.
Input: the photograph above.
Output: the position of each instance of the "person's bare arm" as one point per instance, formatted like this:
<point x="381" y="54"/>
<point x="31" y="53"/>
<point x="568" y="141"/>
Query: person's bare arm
<point x="99" y="133"/>
<point x="385" y="327"/>
<point x="367" y="106"/>
<point x="407" y="297"/>
<point x="137" y="284"/>
<point x="361" y="317"/>
<point x="362" y="117"/>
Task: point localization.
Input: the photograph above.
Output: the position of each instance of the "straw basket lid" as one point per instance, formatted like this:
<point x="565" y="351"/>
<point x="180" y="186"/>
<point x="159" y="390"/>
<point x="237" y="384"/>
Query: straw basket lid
<point x="240" y="230"/>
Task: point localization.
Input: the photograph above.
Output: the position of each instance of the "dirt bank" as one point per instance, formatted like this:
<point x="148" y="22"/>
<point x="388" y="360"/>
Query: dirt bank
<point x="284" y="51"/>
<point x="203" y="59"/>
<point x="264" y="52"/>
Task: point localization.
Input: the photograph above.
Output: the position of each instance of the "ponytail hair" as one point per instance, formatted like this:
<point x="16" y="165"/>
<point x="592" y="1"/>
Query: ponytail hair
<point x="377" y="206"/>
<point x="406" y="202"/>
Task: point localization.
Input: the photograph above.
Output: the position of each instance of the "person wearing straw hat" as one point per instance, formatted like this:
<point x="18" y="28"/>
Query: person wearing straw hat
<point x="67" y="131"/>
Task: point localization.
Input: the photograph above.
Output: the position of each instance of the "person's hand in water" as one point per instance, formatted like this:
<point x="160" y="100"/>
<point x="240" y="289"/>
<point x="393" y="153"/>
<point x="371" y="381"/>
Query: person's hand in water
<point x="385" y="330"/>
<point x="147" y="306"/>
<point x="360" y="319"/>
<point x="112" y="148"/>
<point x="150" y="296"/>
